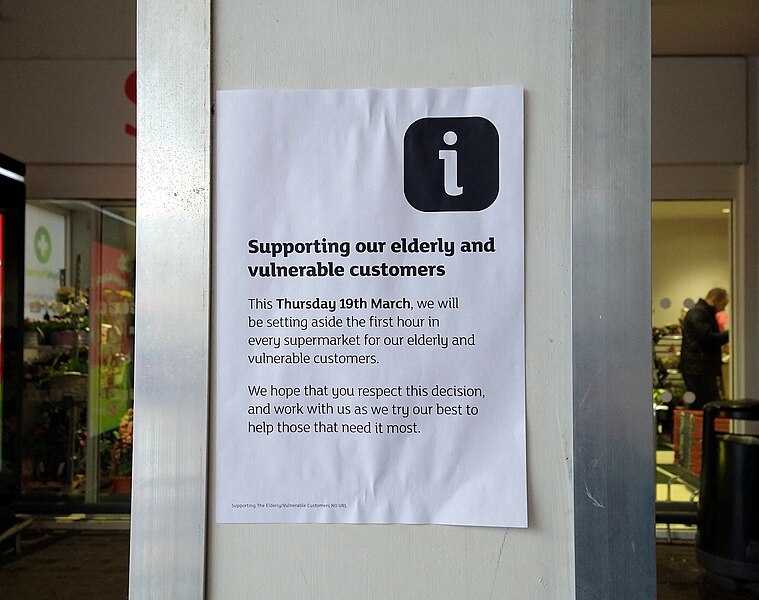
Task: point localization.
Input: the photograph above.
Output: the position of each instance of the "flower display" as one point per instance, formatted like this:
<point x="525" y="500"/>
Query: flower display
<point x="69" y="311"/>
<point x="121" y="450"/>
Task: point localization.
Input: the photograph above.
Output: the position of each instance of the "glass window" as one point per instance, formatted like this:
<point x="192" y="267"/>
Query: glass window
<point x="78" y="354"/>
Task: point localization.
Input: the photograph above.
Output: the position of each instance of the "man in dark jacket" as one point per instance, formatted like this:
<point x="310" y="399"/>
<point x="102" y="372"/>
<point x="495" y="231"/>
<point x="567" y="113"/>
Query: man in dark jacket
<point x="701" y="352"/>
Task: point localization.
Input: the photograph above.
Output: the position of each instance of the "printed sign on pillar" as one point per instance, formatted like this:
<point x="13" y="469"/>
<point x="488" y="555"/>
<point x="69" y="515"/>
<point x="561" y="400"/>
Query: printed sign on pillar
<point x="369" y="307"/>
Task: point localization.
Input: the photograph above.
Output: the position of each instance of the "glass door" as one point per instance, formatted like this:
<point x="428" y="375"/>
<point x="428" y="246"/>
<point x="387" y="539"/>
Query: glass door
<point x="111" y="358"/>
<point x="691" y="246"/>
<point x="78" y="396"/>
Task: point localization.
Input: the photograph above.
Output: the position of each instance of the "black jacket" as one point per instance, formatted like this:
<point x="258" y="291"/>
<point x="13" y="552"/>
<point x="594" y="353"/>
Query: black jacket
<point x="701" y="352"/>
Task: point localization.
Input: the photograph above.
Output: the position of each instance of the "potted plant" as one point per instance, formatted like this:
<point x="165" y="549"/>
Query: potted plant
<point x="121" y="455"/>
<point x="65" y="322"/>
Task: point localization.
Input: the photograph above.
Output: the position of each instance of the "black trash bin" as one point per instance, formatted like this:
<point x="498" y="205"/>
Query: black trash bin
<point x="727" y="545"/>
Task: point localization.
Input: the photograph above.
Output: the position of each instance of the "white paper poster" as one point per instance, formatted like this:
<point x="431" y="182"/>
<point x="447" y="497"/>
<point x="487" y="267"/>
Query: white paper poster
<point x="369" y="307"/>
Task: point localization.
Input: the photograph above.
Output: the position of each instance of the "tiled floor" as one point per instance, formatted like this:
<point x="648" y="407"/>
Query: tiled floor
<point x="677" y="491"/>
<point x="673" y="491"/>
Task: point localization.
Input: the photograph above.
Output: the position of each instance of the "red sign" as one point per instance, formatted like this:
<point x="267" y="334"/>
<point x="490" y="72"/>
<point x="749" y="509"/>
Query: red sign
<point x="130" y="89"/>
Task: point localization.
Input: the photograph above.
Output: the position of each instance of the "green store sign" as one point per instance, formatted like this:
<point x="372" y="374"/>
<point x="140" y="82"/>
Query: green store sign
<point x="43" y="245"/>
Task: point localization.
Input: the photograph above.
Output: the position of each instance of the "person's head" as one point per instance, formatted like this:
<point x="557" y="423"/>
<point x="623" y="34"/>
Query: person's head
<point x="718" y="298"/>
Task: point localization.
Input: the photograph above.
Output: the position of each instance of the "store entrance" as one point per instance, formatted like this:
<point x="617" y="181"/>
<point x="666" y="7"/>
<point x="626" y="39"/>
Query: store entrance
<point x="77" y="413"/>
<point x="691" y="242"/>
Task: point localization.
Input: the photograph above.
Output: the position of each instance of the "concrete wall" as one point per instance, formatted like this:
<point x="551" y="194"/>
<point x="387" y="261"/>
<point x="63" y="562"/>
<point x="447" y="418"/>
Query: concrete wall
<point x="63" y="68"/>
<point x="698" y="110"/>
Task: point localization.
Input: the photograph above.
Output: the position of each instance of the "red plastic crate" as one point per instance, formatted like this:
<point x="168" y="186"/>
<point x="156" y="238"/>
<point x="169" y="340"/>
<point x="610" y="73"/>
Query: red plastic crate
<point x="688" y="433"/>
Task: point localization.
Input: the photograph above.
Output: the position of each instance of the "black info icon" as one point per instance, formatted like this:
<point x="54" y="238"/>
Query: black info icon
<point x="450" y="164"/>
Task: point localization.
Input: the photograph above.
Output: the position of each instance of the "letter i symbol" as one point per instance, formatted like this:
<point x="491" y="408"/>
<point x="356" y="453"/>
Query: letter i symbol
<point x="450" y="166"/>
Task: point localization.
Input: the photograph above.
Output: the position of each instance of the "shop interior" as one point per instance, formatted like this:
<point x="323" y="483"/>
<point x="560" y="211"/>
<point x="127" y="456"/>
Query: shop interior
<point x="691" y="253"/>
<point x="76" y="417"/>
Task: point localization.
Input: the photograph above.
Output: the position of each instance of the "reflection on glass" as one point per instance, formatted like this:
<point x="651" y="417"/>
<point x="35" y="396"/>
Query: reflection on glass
<point x="79" y="344"/>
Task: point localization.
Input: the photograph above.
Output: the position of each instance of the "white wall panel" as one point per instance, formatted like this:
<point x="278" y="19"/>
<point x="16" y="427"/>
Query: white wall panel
<point x="328" y="44"/>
